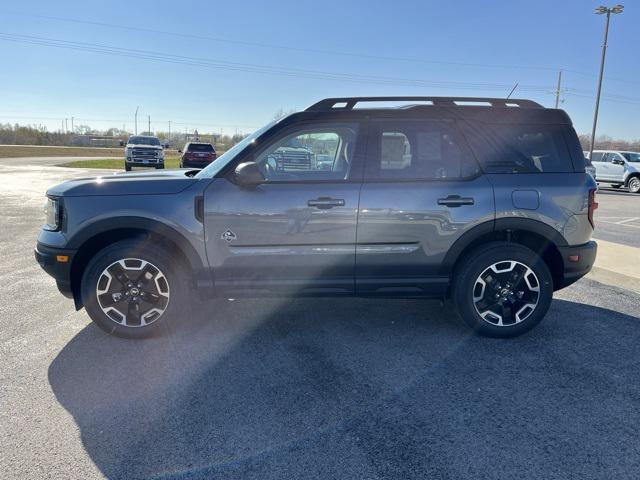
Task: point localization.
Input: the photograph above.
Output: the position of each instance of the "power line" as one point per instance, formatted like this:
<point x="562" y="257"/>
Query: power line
<point x="273" y="46"/>
<point x="312" y="50"/>
<point x="250" y="67"/>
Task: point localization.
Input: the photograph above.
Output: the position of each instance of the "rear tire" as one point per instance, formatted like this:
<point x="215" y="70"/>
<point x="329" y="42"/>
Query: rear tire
<point x="134" y="289"/>
<point x="502" y="289"/>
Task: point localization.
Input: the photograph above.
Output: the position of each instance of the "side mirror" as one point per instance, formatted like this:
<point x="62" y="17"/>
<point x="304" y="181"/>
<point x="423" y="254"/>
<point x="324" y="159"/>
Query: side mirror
<point x="248" y="174"/>
<point x="617" y="161"/>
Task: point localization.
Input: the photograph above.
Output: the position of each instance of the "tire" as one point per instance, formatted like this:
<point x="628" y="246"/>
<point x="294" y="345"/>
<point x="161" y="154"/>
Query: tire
<point x="110" y="299"/>
<point x="518" y="308"/>
<point x="634" y="184"/>
<point x="127" y="168"/>
<point x="160" y="167"/>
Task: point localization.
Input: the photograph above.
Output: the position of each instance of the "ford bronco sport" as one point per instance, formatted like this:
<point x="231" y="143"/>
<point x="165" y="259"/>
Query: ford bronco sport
<point x="484" y="201"/>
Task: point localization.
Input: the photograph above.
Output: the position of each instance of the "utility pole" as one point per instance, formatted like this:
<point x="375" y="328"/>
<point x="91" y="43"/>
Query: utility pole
<point x="558" y="88"/>
<point x="136" y="120"/>
<point x="66" y="125"/>
<point x="601" y="10"/>
<point x="169" y="137"/>
<point x="149" y="118"/>
<point x="72" y="125"/>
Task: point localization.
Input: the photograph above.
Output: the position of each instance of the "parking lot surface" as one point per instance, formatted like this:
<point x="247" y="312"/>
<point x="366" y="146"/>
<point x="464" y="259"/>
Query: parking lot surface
<point x="618" y="216"/>
<point x="309" y="388"/>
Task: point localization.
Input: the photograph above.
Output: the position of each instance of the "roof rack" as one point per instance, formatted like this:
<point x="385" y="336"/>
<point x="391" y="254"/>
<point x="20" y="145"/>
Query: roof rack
<point x="349" y="103"/>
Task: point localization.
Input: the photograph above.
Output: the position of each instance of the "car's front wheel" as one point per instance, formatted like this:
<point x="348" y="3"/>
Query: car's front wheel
<point x="127" y="167"/>
<point x="502" y="289"/>
<point x="634" y="184"/>
<point x="133" y="289"/>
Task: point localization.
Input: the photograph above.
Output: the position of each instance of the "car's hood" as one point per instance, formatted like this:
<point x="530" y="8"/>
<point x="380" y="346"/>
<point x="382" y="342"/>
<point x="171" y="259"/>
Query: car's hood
<point x="154" y="183"/>
<point x="142" y="145"/>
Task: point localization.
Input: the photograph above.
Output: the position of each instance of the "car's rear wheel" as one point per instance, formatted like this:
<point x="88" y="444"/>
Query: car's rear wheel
<point x="634" y="184"/>
<point x="133" y="289"/>
<point x="502" y="289"/>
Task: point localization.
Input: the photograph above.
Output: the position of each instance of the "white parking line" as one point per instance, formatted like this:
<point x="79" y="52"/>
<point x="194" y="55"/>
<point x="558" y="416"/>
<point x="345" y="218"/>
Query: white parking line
<point x="622" y="223"/>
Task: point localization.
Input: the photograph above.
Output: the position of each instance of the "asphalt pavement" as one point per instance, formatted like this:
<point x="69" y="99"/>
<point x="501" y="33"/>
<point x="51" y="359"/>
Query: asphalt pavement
<point x="618" y="216"/>
<point x="308" y="388"/>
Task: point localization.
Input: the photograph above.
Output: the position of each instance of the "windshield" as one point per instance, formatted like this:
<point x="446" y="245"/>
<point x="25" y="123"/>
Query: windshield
<point x="224" y="159"/>
<point x="144" y="141"/>
<point x="631" y="157"/>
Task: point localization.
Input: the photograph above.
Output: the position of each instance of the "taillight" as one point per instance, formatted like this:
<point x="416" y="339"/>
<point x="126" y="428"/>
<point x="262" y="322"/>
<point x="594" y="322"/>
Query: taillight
<point x="592" y="205"/>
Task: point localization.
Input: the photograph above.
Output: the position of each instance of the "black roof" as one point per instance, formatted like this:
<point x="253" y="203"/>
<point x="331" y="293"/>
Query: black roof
<point x="349" y="103"/>
<point x="490" y="110"/>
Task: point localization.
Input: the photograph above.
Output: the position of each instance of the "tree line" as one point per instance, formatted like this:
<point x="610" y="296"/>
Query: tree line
<point x="15" y="134"/>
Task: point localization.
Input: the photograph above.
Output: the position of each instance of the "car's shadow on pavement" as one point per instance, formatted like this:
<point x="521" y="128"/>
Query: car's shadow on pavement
<point x="344" y="388"/>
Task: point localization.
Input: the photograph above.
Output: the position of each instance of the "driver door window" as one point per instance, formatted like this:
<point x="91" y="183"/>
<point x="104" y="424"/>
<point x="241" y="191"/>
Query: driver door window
<point x="315" y="153"/>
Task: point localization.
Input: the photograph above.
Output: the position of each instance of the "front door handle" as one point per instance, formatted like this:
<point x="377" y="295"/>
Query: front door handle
<point x="455" y="201"/>
<point x="326" y="202"/>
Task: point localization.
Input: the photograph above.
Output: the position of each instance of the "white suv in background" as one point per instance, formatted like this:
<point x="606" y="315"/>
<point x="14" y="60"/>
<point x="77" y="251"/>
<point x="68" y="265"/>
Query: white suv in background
<point x="617" y="168"/>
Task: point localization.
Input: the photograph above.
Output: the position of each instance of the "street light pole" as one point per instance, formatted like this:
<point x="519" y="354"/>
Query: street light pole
<point x="601" y="11"/>
<point x="136" y="119"/>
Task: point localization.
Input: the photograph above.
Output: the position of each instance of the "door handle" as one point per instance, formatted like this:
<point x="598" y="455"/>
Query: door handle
<point x="326" y="202"/>
<point x="455" y="201"/>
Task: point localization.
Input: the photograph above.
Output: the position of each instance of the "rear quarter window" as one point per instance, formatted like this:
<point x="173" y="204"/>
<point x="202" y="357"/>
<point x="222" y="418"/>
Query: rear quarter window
<point x="520" y="148"/>
<point x="200" y="148"/>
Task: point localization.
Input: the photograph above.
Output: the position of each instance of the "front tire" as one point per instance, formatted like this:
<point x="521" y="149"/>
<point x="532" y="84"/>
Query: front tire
<point x="127" y="168"/>
<point x="634" y="184"/>
<point x="502" y="289"/>
<point x="133" y="289"/>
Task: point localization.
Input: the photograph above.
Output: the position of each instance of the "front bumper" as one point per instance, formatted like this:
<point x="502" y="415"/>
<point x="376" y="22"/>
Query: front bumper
<point x="57" y="263"/>
<point x="574" y="269"/>
<point x="144" y="163"/>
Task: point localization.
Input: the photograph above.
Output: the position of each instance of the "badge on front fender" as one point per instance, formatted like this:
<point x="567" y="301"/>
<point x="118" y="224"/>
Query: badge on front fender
<point x="228" y="236"/>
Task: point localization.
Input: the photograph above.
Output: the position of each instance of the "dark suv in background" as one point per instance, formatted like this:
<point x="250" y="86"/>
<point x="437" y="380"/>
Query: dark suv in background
<point x="484" y="201"/>
<point x="197" y="155"/>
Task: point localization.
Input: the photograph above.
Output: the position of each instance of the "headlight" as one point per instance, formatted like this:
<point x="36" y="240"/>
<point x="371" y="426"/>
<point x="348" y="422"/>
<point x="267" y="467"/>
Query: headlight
<point x="160" y="153"/>
<point x="52" y="214"/>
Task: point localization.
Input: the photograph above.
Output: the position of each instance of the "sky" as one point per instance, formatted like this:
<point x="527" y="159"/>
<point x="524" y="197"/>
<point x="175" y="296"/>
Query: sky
<point x="230" y="66"/>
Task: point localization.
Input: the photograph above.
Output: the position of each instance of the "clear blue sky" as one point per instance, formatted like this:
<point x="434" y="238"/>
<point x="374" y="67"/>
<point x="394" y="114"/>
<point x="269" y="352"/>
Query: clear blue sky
<point x="438" y="48"/>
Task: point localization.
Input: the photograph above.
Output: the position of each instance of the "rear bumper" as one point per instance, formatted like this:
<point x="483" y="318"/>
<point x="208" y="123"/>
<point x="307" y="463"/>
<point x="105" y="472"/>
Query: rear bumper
<point x="53" y="262"/>
<point x="195" y="164"/>
<point x="574" y="269"/>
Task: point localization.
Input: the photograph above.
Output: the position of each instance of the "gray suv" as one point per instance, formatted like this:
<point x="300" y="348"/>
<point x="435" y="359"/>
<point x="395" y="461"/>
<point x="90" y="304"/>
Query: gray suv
<point x="484" y="201"/>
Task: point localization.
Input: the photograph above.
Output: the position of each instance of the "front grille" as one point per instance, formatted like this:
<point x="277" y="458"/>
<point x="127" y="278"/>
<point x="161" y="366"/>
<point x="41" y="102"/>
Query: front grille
<point x="287" y="161"/>
<point x="149" y="154"/>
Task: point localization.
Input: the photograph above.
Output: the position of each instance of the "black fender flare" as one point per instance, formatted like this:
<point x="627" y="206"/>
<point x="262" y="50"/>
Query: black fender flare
<point x="461" y="245"/>
<point x="138" y="223"/>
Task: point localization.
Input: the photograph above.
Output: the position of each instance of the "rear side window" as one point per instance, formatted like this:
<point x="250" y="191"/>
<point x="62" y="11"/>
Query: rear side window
<point x="200" y="147"/>
<point x="597" y="157"/>
<point x="521" y="148"/>
<point x="418" y="150"/>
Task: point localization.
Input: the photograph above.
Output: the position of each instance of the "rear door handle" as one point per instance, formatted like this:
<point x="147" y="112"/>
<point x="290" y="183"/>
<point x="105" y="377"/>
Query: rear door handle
<point x="455" y="201"/>
<point x="326" y="202"/>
